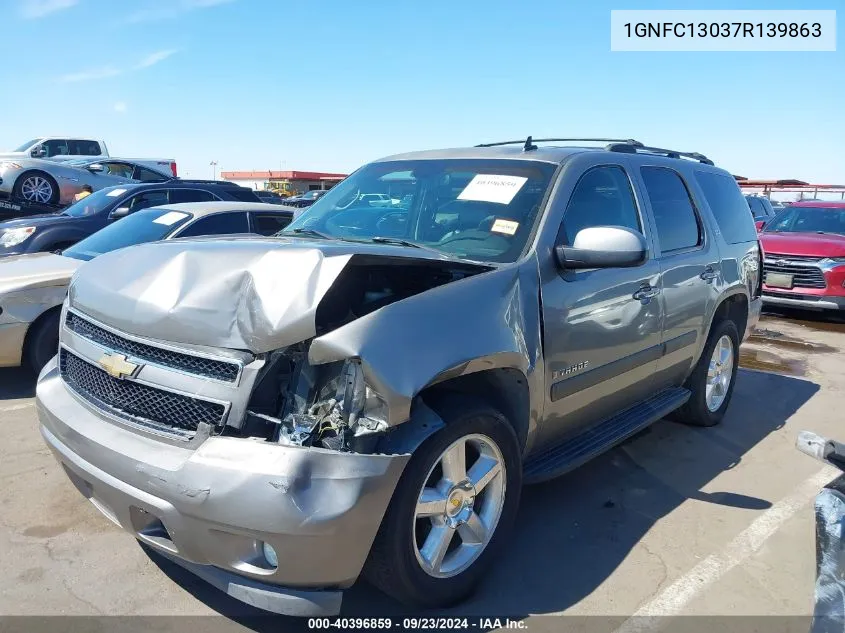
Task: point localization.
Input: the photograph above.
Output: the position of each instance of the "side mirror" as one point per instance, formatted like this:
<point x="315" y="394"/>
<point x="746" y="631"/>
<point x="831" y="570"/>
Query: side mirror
<point x="38" y="152"/>
<point x="96" y="168"/>
<point x="120" y="212"/>
<point x="603" y="247"/>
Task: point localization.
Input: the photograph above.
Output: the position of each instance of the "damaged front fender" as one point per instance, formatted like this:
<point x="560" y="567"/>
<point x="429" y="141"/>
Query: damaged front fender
<point x="487" y="321"/>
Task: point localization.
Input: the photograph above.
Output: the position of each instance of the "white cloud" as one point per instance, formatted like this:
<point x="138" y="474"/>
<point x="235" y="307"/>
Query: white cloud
<point x="32" y="9"/>
<point x="173" y="10"/>
<point x="106" y="72"/>
<point x="120" y="107"/>
<point x="90" y="75"/>
<point x="154" y="58"/>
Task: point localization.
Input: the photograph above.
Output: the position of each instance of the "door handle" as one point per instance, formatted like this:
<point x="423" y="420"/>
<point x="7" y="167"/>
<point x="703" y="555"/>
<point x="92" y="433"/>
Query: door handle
<point x="646" y="293"/>
<point x="709" y="274"/>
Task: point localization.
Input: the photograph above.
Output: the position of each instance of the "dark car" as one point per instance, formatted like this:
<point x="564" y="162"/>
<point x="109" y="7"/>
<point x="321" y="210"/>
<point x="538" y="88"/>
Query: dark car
<point x="56" y="231"/>
<point x="761" y="209"/>
<point x="306" y="199"/>
<point x="269" y="196"/>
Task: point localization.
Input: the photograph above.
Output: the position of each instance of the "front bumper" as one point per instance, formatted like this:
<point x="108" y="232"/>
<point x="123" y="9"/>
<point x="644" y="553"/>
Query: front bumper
<point x="800" y="300"/>
<point x="12" y="337"/>
<point x="211" y="508"/>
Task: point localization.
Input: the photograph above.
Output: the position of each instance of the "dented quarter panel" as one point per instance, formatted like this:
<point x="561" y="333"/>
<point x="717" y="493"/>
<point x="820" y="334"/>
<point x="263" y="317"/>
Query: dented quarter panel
<point x="487" y="321"/>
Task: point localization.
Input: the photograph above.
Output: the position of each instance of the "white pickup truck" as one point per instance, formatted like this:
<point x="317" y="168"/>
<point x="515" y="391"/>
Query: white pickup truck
<point x="58" y="148"/>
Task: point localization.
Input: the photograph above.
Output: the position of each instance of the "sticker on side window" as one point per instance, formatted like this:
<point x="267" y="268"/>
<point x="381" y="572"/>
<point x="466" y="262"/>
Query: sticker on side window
<point x="507" y="227"/>
<point x="115" y="192"/>
<point x="170" y="218"/>
<point x="492" y="188"/>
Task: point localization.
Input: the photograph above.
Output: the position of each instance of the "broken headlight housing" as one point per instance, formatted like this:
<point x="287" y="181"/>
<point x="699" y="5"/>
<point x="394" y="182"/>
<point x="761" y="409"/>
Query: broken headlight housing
<point x="345" y="408"/>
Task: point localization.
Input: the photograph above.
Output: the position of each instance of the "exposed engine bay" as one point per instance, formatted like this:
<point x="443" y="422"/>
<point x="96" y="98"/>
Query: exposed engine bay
<point x="330" y="405"/>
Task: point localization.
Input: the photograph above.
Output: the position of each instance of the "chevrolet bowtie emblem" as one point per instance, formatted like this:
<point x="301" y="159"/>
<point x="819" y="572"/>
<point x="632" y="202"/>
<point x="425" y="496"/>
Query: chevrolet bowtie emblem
<point x="117" y="366"/>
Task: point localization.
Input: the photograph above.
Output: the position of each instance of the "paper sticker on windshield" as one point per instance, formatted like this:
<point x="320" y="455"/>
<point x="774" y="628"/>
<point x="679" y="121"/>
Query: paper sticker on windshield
<point x="508" y="227"/>
<point x="115" y="192"/>
<point x="170" y="218"/>
<point x="492" y="188"/>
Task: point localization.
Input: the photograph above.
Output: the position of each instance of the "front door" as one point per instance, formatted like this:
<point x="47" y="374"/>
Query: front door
<point x="602" y="326"/>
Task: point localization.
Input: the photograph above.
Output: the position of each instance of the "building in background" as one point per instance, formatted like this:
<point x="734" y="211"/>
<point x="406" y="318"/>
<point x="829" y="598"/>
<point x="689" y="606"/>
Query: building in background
<point x="285" y="182"/>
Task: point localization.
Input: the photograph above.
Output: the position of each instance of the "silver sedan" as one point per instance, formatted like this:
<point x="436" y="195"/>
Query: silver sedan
<point x="56" y="183"/>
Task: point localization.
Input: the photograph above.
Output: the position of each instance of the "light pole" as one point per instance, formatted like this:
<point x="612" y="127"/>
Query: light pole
<point x="214" y="168"/>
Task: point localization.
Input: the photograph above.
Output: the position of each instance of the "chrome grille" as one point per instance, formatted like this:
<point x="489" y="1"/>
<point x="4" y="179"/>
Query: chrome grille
<point x="804" y="273"/>
<point x="796" y="258"/>
<point x="155" y="408"/>
<point x="206" y="367"/>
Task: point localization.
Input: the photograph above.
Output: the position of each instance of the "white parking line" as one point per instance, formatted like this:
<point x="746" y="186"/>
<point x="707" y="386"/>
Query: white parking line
<point x="17" y="407"/>
<point x="672" y="600"/>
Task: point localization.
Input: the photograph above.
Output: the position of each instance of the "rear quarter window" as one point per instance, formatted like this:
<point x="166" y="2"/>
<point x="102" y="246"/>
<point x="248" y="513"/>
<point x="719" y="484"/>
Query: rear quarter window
<point x="729" y="207"/>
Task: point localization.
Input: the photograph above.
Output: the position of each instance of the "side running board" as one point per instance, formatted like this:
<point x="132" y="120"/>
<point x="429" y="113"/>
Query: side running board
<point x="577" y="450"/>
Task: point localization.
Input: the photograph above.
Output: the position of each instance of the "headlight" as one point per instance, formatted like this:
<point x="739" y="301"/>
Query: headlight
<point x="13" y="237"/>
<point x="7" y="165"/>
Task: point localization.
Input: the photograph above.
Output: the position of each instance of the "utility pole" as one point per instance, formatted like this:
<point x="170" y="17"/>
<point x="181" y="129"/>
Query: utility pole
<point x="214" y="168"/>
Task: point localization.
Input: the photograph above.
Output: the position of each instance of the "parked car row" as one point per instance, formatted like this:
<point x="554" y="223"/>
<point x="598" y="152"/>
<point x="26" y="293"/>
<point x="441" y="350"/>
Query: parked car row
<point x="366" y="392"/>
<point x="33" y="286"/>
<point x="380" y="376"/>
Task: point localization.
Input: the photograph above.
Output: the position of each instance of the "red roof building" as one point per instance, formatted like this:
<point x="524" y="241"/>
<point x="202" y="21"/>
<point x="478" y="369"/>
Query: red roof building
<point x="288" y="181"/>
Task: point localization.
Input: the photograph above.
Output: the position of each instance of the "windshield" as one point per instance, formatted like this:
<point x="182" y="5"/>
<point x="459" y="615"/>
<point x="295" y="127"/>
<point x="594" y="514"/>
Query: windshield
<point x="94" y="203"/>
<point x="147" y="225"/>
<point x="809" y="220"/>
<point x="27" y="145"/>
<point x="311" y="195"/>
<point x="483" y="210"/>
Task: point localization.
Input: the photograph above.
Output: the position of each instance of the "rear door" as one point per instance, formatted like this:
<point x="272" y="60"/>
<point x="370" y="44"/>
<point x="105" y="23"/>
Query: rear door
<point x="689" y="269"/>
<point x="601" y="326"/>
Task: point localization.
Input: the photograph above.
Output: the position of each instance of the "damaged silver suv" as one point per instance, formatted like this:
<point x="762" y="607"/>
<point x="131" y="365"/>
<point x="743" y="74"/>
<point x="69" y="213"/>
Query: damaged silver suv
<point x="367" y="391"/>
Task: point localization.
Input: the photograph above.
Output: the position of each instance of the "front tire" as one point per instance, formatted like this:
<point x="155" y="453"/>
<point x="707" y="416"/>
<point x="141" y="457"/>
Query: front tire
<point x="36" y="186"/>
<point x="453" y="509"/>
<point x="43" y="341"/>
<point x="712" y="381"/>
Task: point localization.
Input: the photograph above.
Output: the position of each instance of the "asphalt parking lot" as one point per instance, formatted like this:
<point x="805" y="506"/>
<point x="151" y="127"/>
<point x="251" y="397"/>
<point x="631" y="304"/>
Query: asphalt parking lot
<point x="678" y="521"/>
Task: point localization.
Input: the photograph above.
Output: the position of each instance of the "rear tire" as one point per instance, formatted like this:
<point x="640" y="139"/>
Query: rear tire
<point x="42" y="342"/>
<point x="711" y="388"/>
<point x="402" y="561"/>
<point x="36" y="186"/>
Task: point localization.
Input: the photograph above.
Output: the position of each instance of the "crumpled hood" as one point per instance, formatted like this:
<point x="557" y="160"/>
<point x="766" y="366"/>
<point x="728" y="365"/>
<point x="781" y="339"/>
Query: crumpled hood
<point x="248" y="293"/>
<point x="36" y="270"/>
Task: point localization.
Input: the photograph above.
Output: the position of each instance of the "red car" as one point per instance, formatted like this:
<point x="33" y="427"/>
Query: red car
<point x="804" y="264"/>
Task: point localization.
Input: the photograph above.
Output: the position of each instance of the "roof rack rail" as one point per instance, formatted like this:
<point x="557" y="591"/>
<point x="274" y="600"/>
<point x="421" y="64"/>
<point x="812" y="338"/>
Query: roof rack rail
<point x="631" y="148"/>
<point x="528" y="144"/>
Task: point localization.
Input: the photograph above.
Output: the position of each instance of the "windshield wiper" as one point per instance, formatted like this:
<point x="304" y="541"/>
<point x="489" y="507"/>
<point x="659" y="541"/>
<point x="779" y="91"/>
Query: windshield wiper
<point x="395" y="240"/>
<point x="310" y="232"/>
<point x="398" y="241"/>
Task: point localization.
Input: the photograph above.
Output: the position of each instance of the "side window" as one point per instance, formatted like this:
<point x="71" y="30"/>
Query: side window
<point x="270" y="223"/>
<point x="146" y="199"/>
<point x="191" y="195"/>
<point x="677" y="223"/>
<point x="56" y="147"/>
<point x="120" y="170"/>
<point x="83" y="147"/>
<point x="219" y="224"/>
<point x="602" y="197"/>
<point x="726" y="203"/>
<point x="148" y="175"/>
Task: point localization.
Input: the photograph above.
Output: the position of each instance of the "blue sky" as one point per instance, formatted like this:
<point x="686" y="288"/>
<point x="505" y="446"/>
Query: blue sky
<point x="270" y="84"/>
